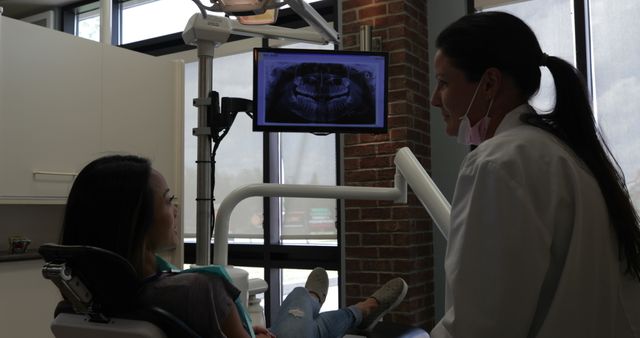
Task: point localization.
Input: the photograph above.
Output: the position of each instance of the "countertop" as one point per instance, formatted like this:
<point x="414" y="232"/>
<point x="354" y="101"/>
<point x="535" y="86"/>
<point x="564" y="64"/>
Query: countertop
<point x="7" y="256"/>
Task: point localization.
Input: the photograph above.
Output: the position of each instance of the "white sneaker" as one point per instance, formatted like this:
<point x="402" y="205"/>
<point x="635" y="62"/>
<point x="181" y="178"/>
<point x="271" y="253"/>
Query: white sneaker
<point x="388" y="296"/>
<point x="318" y="283"/>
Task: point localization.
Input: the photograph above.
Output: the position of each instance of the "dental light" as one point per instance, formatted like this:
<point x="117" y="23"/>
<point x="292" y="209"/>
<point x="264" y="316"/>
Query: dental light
<point x="262" y="12"/>
<point x="239" y="7"/>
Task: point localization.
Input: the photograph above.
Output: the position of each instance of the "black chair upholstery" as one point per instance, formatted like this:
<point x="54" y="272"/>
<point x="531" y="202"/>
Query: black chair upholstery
<point x="110" y="278"/>
<point x="113" y="285"/>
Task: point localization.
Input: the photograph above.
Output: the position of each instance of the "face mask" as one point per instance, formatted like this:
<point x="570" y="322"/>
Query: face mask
<point x="474" y="135"/>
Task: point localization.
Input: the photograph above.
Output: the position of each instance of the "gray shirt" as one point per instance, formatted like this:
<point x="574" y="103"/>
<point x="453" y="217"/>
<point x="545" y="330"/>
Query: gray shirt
<point x="200" y="300"/>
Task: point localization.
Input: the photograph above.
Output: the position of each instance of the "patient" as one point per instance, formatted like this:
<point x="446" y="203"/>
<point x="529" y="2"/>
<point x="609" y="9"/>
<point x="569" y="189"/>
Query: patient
<point x="119" y="203"/>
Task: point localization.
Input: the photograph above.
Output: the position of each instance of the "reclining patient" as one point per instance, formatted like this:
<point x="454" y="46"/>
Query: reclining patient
<point x="119" y="203"/>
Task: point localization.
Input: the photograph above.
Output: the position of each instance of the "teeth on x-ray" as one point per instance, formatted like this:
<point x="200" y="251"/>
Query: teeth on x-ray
<point x="322" y="93"/>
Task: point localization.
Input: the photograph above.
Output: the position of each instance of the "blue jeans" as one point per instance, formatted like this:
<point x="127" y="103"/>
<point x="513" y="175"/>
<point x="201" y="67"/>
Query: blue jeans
<point x="299" y="317"/>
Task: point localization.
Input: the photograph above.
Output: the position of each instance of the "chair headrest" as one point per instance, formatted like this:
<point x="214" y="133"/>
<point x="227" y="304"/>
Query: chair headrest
<point x="110" y="278"/>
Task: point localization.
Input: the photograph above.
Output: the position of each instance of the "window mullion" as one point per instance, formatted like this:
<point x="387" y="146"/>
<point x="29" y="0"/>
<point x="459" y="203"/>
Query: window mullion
<point x="583" y="40"/>
<point x="116" y="22"/>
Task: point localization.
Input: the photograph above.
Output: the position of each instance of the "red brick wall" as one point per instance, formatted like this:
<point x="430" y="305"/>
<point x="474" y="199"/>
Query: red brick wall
<point x="383" y="239"/>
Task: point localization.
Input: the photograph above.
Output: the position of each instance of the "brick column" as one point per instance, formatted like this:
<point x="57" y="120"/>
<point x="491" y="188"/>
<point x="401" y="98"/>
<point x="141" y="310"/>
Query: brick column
<point x="383" y="239"/>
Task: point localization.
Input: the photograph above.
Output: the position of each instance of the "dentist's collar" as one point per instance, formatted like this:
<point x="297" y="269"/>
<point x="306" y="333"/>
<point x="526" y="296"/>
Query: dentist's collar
<point x="512" y="118"/>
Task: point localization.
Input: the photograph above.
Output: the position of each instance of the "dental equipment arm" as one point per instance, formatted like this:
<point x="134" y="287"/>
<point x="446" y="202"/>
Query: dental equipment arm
<point x="423" y="186"/>
<point x="218" y="29"/>
<point x="314" y="19"/>
<point x="323" y="34"/>
<point x="408" y="171"/>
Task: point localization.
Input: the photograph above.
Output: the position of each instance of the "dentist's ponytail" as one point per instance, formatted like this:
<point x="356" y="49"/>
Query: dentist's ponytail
<point x="573" y="121"/>
<point x="480" y="41"/>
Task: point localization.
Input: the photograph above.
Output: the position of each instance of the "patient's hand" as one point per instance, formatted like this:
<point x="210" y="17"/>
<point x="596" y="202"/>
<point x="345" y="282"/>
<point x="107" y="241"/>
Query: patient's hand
<point x="262" y="332"/>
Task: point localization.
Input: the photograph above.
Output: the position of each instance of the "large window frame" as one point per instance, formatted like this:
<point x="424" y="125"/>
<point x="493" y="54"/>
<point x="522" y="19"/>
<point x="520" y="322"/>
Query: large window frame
<point x="271" y="256"/>
<point x="582" y="37"/>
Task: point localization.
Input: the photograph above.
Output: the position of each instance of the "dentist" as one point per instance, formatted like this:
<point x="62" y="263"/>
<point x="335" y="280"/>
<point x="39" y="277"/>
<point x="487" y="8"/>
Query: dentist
<point x="544" y="239"/>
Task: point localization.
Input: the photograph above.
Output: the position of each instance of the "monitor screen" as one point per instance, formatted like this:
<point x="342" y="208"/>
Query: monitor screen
<point x="319" y="91"/>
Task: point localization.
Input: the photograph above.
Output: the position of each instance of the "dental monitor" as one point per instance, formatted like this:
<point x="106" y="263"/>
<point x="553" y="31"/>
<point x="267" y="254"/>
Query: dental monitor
<point x="319" y="91"/>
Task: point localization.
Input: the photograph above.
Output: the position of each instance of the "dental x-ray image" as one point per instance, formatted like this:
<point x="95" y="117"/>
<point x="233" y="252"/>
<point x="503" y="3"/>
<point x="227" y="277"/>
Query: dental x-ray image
<point x="321" y="93"/>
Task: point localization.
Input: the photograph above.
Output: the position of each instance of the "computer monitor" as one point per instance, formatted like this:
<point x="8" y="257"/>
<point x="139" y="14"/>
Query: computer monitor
<point x="319" y="91"/>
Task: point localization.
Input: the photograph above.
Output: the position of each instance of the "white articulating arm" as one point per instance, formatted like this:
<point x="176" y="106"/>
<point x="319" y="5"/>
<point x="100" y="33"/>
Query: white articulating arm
<point x="408" y="171"/>
<point x="315" y="20"/>
<point x="221" y="229"/>
<point x="322" y="32"/>
<point x="425" y="189"/>
<point x="218" y="30"/>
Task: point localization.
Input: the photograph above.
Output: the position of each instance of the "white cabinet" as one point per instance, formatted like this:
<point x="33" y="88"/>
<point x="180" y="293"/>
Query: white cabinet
<point x="65" y="101"/>
<point x="48" y="115"/>
<point x="28" y="300"/>
<point x="143" y="108"/>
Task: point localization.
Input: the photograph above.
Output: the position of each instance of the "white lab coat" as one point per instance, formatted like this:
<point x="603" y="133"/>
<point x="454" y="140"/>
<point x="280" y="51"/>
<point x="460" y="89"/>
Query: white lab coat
<point x="512" y="191"/>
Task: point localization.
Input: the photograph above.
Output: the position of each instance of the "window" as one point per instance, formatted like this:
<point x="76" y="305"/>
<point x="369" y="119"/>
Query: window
<point x="610" y="65"/>
<point x="88" y="24"/>
<point x="304" y="160"/>
<point x="298" y="277"/>
<point x="552" y="22"/>
<point x="145" y="19"/>
<point x="239" y="157"/>
<point x="616" y="82"/>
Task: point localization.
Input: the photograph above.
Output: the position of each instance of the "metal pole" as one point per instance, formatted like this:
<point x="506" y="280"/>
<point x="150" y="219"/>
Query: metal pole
<point x="105" y="21"/>
<point x="365" y="38"/>
<point x="203" y="163"/>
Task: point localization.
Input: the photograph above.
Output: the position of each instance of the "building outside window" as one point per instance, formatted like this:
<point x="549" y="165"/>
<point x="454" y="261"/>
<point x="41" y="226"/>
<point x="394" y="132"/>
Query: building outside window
<point x="87" y="23"/>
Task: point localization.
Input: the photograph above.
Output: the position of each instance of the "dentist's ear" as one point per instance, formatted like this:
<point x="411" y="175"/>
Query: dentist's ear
<point x="492" y="83"/>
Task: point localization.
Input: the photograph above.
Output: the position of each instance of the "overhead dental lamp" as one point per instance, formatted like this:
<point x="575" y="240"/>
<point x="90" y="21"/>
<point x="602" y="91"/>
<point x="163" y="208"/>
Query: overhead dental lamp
<point x="264" y="12"/>
<point x="239" y="7"/>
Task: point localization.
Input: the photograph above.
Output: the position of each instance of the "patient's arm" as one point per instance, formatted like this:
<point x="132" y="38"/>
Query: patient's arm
<point x="262" y="331"/>
<point x="232" y="325"/>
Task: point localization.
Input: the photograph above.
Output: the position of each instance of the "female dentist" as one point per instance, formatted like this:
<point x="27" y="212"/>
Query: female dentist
<point x="544" y="240"/>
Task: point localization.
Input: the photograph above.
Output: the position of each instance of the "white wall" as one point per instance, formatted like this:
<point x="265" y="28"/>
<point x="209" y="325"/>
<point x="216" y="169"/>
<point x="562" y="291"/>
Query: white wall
<point x="446" y="154"/>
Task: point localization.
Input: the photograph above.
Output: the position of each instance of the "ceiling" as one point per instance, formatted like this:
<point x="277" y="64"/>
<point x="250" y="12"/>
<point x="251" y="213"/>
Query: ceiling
<point x="21" y="8"/>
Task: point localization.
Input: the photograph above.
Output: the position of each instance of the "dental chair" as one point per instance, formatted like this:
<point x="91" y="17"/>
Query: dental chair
<point x="99" y="289"/>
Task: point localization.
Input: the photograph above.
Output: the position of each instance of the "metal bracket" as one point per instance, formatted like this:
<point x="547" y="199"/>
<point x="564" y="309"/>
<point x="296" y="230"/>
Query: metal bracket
<point x="202" y="102"/>
<point x="71" y="287"/>
<point x="201" y="131"/>
<point x="368" y="42"/>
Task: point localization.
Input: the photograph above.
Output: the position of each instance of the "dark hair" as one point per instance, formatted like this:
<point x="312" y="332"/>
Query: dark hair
<point x="479" y="41"/>
<point x="110" y="206"/>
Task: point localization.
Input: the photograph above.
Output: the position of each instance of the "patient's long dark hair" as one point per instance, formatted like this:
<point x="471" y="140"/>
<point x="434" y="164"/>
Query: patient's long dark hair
<point x="110" y="206"/>
<point x="479" y="41"/>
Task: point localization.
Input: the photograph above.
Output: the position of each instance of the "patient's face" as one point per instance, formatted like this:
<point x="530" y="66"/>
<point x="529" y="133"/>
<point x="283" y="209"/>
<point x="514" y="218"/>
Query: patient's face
<point x="163" y="233"/>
